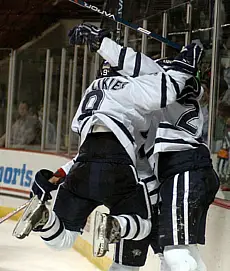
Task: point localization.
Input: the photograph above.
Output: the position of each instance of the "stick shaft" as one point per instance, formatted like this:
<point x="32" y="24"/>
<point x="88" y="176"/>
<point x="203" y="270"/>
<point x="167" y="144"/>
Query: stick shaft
<point x="2" y="219"/>
<point x="126" y="23"/>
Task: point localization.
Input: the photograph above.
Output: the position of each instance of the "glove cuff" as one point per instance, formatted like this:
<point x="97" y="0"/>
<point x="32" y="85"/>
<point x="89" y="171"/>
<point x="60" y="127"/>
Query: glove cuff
<point x="60" y="173"/>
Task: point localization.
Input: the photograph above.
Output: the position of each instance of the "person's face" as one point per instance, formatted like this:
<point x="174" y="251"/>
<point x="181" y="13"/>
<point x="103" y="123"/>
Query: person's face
<point x="23" y="109"/>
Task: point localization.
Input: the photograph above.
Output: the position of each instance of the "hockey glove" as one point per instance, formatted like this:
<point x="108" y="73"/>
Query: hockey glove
<point x="88" y="34"/>
<point x="41" y="185"/>
<point x="188" y="59"/>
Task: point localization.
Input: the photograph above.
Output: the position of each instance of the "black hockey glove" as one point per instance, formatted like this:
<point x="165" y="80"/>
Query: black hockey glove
<point x="41" y="185"/>
<point x="188" y="59"/>
<point x="88" y="34"/>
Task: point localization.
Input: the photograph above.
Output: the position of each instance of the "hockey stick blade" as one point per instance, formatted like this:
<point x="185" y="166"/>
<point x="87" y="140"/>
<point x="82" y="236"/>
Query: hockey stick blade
<point x="20" y="208"/>
<point x="128" y="24"/>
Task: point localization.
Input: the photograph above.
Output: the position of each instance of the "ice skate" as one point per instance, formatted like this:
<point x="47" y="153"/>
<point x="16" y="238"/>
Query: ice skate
<point x="34" y="217"/>
<point x="106" y="231"/>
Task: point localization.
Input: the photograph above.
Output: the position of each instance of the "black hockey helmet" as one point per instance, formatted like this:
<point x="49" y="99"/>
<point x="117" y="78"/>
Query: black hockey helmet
<point x="106" y="70"/>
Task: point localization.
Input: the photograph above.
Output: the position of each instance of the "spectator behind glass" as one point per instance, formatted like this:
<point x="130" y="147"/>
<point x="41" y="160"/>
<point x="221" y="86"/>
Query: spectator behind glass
<point x="223" y="159"/>
<point x="24" y="130"/>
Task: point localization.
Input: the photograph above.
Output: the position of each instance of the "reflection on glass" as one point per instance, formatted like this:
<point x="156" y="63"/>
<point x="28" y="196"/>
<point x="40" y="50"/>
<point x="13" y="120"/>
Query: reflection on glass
<point x="155" y="23"/>
<point x="177" y="27"/>
<point x="221" y="136"/>
<point x="27" y="97"/>
<point x="4" y="77"/>
<point x="134" y="40"/>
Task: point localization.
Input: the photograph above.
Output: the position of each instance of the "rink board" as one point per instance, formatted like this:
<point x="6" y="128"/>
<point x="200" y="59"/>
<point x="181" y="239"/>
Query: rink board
<point x="17" y="169"/>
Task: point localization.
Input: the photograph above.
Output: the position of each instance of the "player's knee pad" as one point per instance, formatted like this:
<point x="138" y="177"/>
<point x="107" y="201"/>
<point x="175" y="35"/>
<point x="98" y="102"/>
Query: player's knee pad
<point x="120" y="267"/>
<point x="179" y="258"/>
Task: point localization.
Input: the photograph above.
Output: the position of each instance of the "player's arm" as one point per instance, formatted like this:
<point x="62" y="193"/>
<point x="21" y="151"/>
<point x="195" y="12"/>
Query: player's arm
<point x="156" y="91"/>
<point x="124" y="59"/>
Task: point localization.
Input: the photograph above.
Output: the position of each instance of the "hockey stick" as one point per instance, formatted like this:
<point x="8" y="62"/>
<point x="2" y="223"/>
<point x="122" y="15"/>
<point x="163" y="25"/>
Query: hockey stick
<point x="120" y="14"/>
<point x="104" y="7"/>
<point x="23" y="206"/>
<point x="126" y="23"/>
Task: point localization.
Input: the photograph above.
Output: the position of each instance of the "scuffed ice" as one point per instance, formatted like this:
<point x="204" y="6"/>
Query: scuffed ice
<point x="31" y="254"/>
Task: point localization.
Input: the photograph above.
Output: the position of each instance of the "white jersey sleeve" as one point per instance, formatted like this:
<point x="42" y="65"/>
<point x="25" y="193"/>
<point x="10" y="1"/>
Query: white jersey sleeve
<point x="68" y="165"/>
<point x="156" y="91"/>
<point x="126" y="61"/>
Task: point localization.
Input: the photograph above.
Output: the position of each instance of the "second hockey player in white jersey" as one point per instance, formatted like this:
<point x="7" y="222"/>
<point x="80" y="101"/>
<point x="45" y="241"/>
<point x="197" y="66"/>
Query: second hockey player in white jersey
<point x="183" y="163"/>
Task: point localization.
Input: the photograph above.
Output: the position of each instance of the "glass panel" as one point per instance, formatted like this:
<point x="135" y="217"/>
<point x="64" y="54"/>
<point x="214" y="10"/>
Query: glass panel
<point x="221" y="136"/>
<point x="202" y="29"/>
<point x="52" y="124"/>
<point x="53" y="93"/>
<point x="134" y="40"/>
<point x="78" y="93"/>
<point x="27" y="98"/>
<point x="154" y="47"/>
<point x="4" y="77"/>
<point x="177" y="27"/>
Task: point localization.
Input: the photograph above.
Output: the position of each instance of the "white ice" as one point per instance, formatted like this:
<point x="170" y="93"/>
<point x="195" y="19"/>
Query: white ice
<point x="31" y="254"/>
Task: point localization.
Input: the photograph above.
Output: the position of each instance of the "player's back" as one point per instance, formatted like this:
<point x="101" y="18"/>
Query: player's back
<point x="108" y="102"/>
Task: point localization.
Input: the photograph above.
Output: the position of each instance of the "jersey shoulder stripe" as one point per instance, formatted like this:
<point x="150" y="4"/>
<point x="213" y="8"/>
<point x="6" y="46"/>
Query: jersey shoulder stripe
<point x="163" y="91"/>
<point x="137" y="66"/>
<point x="176" y="141"/>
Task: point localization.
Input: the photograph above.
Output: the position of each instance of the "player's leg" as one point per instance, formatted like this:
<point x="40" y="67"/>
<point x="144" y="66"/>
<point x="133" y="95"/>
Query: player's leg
<point x="212" y="184"/>
<point x="67" y="219"/>
<point x="173" y="225"/>
<point x="72" y="206"/>
<point x="130" y="214"/>
<point x="185" y="198"/>
<point x="130" y="254"/>
<point x="154" y="240"/>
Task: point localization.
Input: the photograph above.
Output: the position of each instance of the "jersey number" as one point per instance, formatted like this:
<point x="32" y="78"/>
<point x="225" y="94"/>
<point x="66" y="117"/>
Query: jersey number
<point x="92" y="102"/>
<point x="185" y="120"/>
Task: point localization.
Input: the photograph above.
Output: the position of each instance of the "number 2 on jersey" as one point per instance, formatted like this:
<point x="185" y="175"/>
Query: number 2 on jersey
<point x="192" y="113"/>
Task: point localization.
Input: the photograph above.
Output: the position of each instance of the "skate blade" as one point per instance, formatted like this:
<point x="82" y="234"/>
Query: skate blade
<point x="27" y="222"/>
<point x="100" y="242"/>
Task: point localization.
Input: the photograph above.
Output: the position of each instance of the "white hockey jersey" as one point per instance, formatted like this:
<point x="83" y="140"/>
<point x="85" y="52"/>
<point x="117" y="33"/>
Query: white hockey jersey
<point x="123" y="104"/>
<point x="179" y="125"/>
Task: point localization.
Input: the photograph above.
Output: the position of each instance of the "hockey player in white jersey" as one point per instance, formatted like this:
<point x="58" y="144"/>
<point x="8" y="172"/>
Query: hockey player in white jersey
<point x="183" y="165"/>
<point x="103" y="171"/>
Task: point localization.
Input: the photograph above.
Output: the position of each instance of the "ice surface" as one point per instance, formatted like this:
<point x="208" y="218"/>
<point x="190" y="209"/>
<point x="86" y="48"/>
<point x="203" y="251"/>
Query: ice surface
<point x="31" y="254"/>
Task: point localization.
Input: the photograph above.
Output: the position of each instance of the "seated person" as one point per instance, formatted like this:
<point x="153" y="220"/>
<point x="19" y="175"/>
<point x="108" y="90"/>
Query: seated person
<point x="24" y="130"/>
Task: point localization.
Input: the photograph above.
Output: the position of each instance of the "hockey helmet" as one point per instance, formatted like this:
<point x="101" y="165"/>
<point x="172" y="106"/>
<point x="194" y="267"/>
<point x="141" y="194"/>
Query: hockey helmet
<point x="106" y="70"/>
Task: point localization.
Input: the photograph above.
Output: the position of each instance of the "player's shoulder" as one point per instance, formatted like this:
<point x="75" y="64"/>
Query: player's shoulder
<point x="109" y="83"/>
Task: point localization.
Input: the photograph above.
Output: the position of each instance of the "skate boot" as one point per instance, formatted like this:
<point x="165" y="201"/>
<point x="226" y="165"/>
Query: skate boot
<point x="34" y="217"/>
<point x="106" y="231"/>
